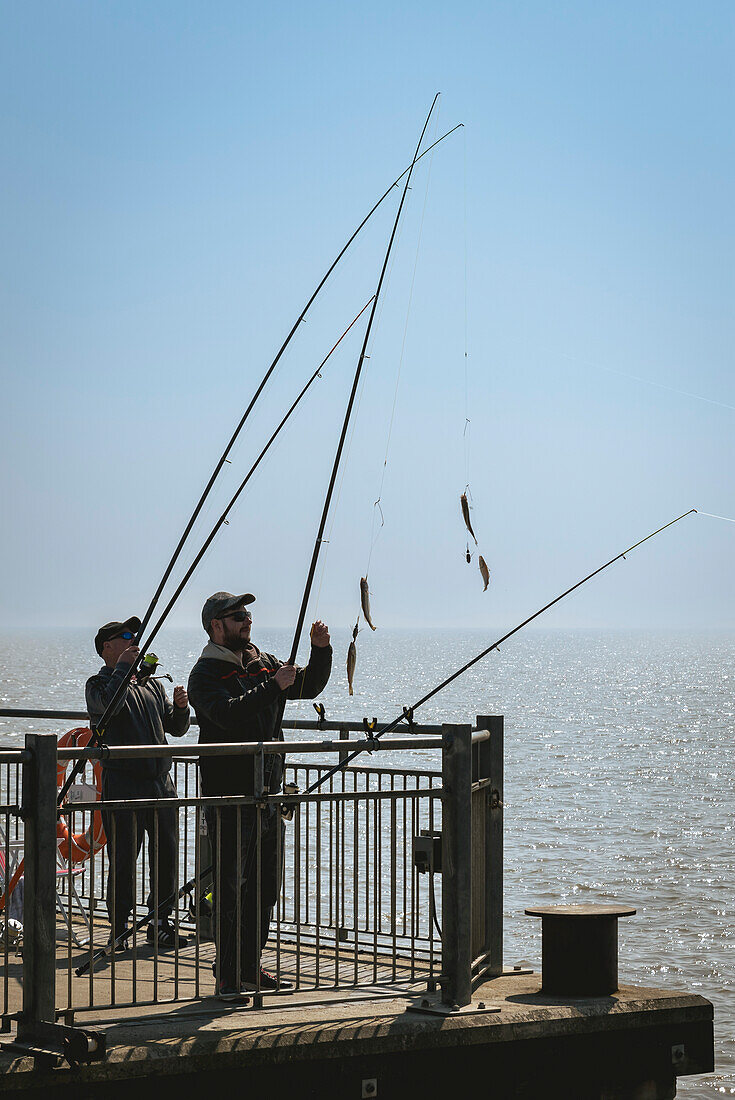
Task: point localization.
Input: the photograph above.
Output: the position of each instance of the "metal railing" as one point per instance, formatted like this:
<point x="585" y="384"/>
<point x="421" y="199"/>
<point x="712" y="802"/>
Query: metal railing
<point x="352" y="906"/>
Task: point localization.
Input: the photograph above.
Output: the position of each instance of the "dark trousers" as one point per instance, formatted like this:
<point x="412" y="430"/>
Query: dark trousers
<point x="236" y="880"/>
<point x="125" y="831"/>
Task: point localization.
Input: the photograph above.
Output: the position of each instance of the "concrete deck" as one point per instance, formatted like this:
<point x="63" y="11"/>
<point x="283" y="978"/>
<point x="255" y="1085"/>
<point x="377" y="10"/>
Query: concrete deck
<point x="629" y="1045"/>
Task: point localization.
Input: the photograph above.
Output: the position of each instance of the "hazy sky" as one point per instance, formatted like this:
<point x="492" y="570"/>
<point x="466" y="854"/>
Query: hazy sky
<point x="177" y="176"/>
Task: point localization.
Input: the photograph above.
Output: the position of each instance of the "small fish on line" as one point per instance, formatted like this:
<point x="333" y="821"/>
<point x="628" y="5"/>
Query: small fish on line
<point x="365" y="602"/>
<point x="484" y="571"/>
<point x="352" y="659"/>
<point x="466" y="515"/>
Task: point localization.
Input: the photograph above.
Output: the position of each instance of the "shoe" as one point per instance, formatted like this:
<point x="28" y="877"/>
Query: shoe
<point x="268" y="982"/>
<point x="232" y="995"/>
<point x="167" y="936"/>
<point x="118" y="948"/>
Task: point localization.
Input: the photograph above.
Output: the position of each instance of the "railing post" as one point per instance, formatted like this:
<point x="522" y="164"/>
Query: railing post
<point x="39" y="932"/>
<point x="491" y="767"/>
<point x="456" y="979"/>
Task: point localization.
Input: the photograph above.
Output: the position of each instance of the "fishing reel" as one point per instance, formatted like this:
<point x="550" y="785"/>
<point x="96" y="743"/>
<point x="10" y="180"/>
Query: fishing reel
<point x="288" y="809"/>
<point x="11" y="933"/>
<point x="147" y="670"/>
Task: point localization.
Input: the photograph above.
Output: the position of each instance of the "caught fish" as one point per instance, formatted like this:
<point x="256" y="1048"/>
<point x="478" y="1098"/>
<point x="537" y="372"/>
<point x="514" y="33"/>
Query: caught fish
<point x="466" y="515"/>
<point x="468" y="556"/>
<point x="484" y="571"/>
<point x="352" y="659"/>
<point x="365" y="601"/>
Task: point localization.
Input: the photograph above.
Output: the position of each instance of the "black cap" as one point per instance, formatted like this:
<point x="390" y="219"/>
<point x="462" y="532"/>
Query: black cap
<point x="220" y="602"/>
<point x="111" y="630"/>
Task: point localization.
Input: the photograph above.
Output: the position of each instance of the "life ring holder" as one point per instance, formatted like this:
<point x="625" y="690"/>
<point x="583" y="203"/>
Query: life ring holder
<point x="78" y="847"/>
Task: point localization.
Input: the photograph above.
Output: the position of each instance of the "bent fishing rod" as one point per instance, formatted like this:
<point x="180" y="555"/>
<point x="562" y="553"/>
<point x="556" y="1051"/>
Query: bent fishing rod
<point x="277" y="358"/>
<point x="207" y="543"/>
<point x="98" y="731"/>
<point x="496" y="645"/>
<point x="348" y="412"/>
<point x="187" y="887"/>
<point x="201" y="877"/>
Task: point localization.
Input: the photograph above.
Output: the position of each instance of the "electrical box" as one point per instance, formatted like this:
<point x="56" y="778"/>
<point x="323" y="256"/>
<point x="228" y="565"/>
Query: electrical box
<point x="427" y="852"/>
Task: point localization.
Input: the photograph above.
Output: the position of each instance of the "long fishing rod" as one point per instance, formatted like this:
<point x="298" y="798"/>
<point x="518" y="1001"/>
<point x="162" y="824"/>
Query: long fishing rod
<point x="222" y="520"/>
<point x="348" y="412"/>
<point x="98" y="730"/>
<point x="251" y="849"/>
<point x="440" y="687"/>
<point x="266" y="376"/>
<point x="191" y="884"/>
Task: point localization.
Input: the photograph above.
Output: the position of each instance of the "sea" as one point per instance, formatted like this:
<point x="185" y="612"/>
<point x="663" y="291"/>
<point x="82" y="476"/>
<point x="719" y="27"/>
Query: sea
<point x="619" y="773"/>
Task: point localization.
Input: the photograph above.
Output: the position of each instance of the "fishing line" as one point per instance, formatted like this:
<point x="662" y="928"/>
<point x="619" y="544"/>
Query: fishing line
<point x="645" y="381"/>
<point x="326" y="542"/>
<point x="373" y="537"/>
<point x="473" y="661"/>
<point x="713" y="516"/>
<point x="467" y="422"/>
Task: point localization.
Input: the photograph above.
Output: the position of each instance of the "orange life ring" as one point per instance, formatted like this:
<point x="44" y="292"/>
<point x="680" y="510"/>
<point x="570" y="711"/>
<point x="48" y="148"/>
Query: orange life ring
<point x="79" y="846"/>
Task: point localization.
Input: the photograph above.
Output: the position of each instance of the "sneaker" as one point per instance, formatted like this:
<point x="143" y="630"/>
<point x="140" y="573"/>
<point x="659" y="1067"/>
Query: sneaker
<point x="167" y="936"/>
<point x="268" y="982"/>
<point x="229" y="993"/>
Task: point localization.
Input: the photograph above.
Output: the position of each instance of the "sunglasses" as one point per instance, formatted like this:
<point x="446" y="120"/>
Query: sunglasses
<point x="238" y="616"/>
<point x="127" y="636"/>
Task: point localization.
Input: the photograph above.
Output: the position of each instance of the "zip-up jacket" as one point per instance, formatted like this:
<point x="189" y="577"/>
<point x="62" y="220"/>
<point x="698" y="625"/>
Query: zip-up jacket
<point x="238" y="701"/>
<point x="144" y="716"/>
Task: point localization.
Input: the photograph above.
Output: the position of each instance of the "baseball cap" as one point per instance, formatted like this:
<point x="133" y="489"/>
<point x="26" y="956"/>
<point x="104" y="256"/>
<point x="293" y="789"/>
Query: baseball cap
<point x="220" y="602"/>
<point x="111" y="630"/>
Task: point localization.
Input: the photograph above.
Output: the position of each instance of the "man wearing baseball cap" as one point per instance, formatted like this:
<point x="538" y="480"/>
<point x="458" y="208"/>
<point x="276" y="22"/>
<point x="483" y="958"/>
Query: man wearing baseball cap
<point x="143" y="716"/>
<point x="237" y="691"/>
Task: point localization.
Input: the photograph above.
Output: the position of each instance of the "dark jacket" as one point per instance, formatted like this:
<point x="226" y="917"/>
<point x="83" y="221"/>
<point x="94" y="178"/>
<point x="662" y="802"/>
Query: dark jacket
<point x="144" y="716"/>
<point x="236" y="703"/>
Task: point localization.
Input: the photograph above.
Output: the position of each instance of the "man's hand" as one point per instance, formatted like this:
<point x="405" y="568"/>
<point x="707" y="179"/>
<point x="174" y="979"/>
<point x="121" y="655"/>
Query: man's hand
<point x="285" y="676"/>
<point x="181" y="699"/>
<point x="319" y="634"/>
<point x="129" y="655"/>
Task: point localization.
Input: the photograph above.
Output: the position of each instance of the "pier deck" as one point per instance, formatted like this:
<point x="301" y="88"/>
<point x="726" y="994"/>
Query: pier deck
<point x="320" y="1043"/>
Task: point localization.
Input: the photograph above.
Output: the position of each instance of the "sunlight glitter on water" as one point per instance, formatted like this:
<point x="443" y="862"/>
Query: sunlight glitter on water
<point x="620" y="774"/>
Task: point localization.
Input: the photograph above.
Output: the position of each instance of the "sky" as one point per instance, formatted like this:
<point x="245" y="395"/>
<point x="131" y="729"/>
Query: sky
<point x="555" y="335"/>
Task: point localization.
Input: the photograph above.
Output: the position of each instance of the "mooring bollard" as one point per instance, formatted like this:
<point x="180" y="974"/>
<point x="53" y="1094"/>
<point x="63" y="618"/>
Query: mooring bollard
<point x="579" y="948"/>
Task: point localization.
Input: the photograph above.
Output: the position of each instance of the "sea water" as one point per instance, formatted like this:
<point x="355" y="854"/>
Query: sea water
<point x="619" y="773"/>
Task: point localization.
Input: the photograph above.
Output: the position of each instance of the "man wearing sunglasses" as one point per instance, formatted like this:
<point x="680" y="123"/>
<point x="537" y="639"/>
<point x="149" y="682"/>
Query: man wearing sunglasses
<point x="144" y="716"/>
<point x="236" y="691"/>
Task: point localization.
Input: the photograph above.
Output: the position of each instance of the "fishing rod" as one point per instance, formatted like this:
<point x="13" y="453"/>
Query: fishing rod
<point x="98" y="730"/>
<point x="192" y="883"/>
<point x="496" y="645"/>
<point x="348" y="412"/>
<point x="208" y="541"/>
<point x="124" y="936"/>
<point x="222" y="519"/>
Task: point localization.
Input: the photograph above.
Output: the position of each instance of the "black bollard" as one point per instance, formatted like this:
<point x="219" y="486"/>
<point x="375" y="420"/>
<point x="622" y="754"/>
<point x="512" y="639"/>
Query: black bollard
<point x="579" y="948"/>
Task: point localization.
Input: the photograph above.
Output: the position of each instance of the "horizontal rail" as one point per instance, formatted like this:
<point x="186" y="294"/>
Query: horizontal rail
<point x="244" y="748"/>
<point x="290" y="724"/>
<point x="15" y="756"/>
<point x="410" y="793"/>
